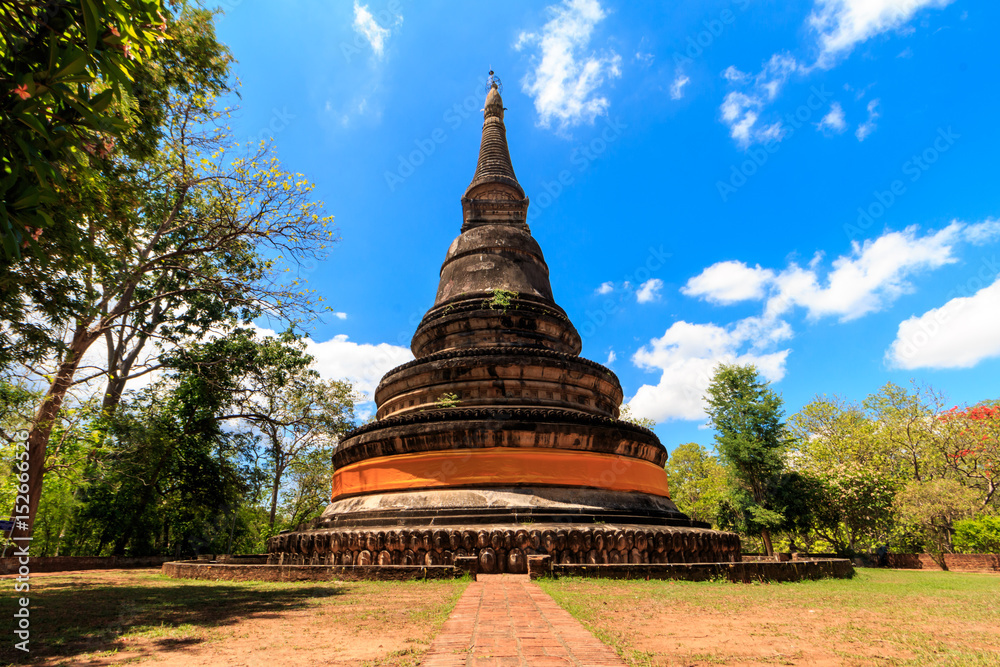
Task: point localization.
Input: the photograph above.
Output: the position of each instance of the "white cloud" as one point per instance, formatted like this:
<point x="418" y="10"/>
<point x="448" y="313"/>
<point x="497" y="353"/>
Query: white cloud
<point x="565" y="77"/>
<point x="606" y="288"/>
<point x="340" y="316"/>
<point x="842" y="24"/>
<point x="983" y="232"/>
<point x="611" y="358"/>
<point x="366" y="26"/>
<point x="741" y="108"/>
<point x="677" y="87"/>
<point x="865" y="280"/>
<point x="687" y="355"/>
<point x="838" y="25"/>
<point x="833" y="122"/>
<point x="959" y="334"/>
<point x="362" y="364"/>
<point x="729" y="282"/>
<point x="868" y="278"/>
<point x="867" y="127"/>
<point x="649" y="290"/>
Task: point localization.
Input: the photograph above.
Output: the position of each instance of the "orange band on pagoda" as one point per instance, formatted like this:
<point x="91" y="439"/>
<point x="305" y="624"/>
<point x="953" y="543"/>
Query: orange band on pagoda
<point x="501" y="466"/>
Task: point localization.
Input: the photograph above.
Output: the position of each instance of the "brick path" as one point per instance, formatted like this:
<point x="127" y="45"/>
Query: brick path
<point x="504" y="619"/>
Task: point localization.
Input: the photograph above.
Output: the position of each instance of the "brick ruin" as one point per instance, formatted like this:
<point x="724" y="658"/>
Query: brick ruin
<point x="499" y="441"/>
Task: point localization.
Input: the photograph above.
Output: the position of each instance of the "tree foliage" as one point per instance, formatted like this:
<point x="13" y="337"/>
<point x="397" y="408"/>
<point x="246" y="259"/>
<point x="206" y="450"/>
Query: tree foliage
<point x="697" y="481"/>
<point x="200" y="234"/>
<point x="855" y="507"/>
<point x="68" y="72"/>
<point x="751" y="439"/>
<point x="933" y="507"/>
<point x="977" y="536"/>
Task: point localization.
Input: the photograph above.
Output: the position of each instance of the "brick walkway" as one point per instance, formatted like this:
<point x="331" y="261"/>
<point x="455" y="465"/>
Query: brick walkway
<point x="504" y="619"/>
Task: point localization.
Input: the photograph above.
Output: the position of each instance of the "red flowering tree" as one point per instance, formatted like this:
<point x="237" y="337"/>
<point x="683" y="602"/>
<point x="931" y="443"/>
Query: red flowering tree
<point x="972" y="449"/>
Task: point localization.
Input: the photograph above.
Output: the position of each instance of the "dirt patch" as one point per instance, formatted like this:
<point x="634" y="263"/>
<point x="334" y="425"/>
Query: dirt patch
<point x="117" y="617"/>
<point x="878" y="618"/>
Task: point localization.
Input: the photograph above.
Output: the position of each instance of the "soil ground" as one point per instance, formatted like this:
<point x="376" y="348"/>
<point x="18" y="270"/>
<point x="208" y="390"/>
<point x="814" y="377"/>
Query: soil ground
<point x="116" y="617"/>
<point x="881" y="617"/>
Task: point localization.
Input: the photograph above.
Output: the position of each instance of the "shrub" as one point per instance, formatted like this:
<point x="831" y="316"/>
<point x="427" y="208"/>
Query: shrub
<point x="978" y="536"/>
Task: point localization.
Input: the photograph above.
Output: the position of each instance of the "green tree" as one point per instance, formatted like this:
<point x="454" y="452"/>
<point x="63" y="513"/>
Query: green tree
<point x="39" y="295"/>
<point x="831" y="432"/>
<point x="170" y="469"/>
<point x="977" y="536"/>
<point x="697" y="481"/>
<point x="799" y="498"/>
<point x="196" y="249"/>
<point x="68" y="72"/>
<point x="856" y="508"/>
<point x="908" y="429"/>
<point x="299" y="416"/>
<point x="751" y="439"/>
<point x="933" y="507"/>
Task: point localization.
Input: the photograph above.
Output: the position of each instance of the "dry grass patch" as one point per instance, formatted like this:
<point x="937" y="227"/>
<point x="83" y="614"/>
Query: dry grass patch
<point x="881" y="617"/>
<point x="140" y="616"/>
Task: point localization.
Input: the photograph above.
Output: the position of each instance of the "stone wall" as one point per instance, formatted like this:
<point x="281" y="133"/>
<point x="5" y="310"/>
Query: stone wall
<point x="734" y="572"/>
<point x="10" y="565"/>
<point x="505" y="549"/>
<point x="954" y="562"/>
<point x="229" y="572"/>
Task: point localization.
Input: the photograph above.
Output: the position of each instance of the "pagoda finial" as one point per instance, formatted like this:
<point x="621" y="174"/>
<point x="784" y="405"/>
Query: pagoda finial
<point x="494" y="166"/>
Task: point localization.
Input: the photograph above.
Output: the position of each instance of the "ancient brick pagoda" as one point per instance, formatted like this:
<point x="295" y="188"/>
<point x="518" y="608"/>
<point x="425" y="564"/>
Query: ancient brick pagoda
<point x="499" y="441"/>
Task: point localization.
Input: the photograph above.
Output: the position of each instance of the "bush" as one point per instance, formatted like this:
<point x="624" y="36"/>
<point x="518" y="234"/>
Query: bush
<point x="978" y="536"/>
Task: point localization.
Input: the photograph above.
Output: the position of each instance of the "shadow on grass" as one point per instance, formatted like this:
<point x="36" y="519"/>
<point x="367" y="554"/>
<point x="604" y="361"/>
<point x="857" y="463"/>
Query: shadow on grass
<point x="85" y="615"/>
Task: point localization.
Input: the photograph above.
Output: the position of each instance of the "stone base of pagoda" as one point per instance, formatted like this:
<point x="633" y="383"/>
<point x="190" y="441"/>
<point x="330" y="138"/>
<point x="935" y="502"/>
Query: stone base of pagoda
<point x="504" y="548"/>
<point x="446" y="507"/>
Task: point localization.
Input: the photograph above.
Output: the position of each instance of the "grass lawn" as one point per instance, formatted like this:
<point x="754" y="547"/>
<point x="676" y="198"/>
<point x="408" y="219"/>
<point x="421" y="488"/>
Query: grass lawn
<point x="140" y="616"/>
<point x="881" y="617"/>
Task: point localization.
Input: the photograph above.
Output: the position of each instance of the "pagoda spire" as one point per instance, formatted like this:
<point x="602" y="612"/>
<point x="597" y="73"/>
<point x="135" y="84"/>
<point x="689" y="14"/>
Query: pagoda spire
<point x="494" y="195"/>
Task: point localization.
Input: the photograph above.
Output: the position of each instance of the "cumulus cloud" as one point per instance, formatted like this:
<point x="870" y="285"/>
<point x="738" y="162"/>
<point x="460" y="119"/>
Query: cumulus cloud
<point x="687" y="355"/>
<point x="729" y="282"/>
<point x="842" y="24"/>
<point x="362" y="364"/>
<point x="611" y="358"/>
<point x="606" y="288"/>
<point x="366" y="26"/>
<point x="870" y="277"/>
<point x="741" y="108"/>
<point x="867" y="127"/>
<point x="833" y="122"/>
<point x="566" y="75"/>
<point x="649" y="290"/>
<point x="959" y="334"/>
<point x="866" y="279"/>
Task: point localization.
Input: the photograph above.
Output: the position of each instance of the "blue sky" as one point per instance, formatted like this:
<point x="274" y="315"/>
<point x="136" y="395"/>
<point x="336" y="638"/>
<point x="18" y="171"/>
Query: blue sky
<point x="809" y="186"/>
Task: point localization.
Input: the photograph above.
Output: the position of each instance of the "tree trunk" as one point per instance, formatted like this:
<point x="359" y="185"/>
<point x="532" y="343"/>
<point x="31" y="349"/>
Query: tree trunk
<point x="120" y="363"/>
<point x="44" y="422"/>
<point x="274" y="496"/>
<point x="765" y="535"/>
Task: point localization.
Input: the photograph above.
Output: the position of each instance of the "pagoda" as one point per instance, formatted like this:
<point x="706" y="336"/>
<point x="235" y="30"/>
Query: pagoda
<point x="499" y="441"/>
